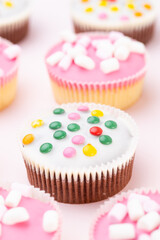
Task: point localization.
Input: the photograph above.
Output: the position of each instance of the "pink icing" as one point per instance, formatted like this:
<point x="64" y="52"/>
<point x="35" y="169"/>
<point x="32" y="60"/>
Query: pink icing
<point x="74" y="116"/>
<point x="31" y="229"/>
<point x="69" y="152"/>
<point x="128" y="68"/>
<point x="78" y="139"/>
<point x="83" y="108"/>
<point x="101" y="226"/>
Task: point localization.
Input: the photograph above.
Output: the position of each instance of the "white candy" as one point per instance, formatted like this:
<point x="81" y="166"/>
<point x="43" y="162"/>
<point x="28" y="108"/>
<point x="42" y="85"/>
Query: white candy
<point x="3" y="209"/>
<point x="12" y="52"/>
<point x="141" y="198"/>
<point x="66" y="47"/>
<point x="68" y="36"/>
<point x="100" y="43"/>
<point x="15" y="215"/>
<point x="144" y="237"/>
<point x="13" y="198"/>
<point x="149" y="221"/>
<point x="137" y="47"/>
<point x="76" y="51"/>
<point x="65" y="63"/>
<point x="1" y="72"/>
<point x="84" y="41"/>
<point x="150" y="205"/>
<point x="122" y="231"/>
<point x="118" y="212"/>
<point x="135" y="209"/>
<point x="84" y="62"/>
<point x="123" y="41"/>
<point x="1" y="200"/>
<point x="122" y="53"/>
<point x="155" y="235"/>
<point x="50" y="221"/>
<point x="55" y="58"/>
<point x="25" y="190"/>
<point x="113" y="36"/>
<point x="105" y="51"/>
<point x="109" y="65"/>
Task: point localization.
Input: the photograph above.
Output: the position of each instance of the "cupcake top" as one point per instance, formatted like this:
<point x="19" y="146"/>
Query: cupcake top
<point x="96" y="58"/>
<point x="9" y="56"/>
<point x="102" y="13"/>
<point x="76" y="137"/>
<point x="129" y="216"/>
<point x="26" y="213"/>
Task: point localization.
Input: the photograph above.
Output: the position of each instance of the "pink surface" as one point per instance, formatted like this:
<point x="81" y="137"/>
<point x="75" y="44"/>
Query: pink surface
<point x="32" y="229"/>
<point x="34" y="95"/>
<point x="128" y="68"/>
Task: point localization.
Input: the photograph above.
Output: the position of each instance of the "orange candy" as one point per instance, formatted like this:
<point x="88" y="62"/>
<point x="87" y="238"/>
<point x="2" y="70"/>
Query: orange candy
<point x="148" y="6"/>
<point x="138" y="14"/>
<point x="28" y="139"/>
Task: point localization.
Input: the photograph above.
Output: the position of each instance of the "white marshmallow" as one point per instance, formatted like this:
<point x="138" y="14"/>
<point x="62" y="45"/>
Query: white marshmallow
<point x="100" y="43"/>
<point x="122" y="231"/>
<point x="1" y="72"/>
<point x="135" y="209"/>
<point x="1" y="200"/>
<point x="137" y="47"/>
<point x="84" y="62"/>
<point x="123" y="41"/>
<point x="3" y="209"/>
<point x="117" y="213"/>
<point x="144" y="236"/>
<point x="12" y="52"/>
<point x="15" y="215"/>
<point x="77" y="50"/>
<point x="122" y="53"/>
<point x="24" y="189"/>
<point x="155" y="235"/>
<point x="114" y="36"/>
<point x="13" y="198"/>
<point x="66" y="47"/>
<point x="150" y="205"/>
<point x="55" y="58"/>
<point x="105" y="52"/>
<point x="141" y="198"/>
<point x="65" y="63"/>
<point x="50" y="221"/>
<point x="109" y="65"/>
<point x="84" y="41"/>
<point x="149" y="221"/>
<point x="68" y="36"/>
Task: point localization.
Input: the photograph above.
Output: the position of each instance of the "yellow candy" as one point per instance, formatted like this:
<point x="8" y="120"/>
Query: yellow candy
<point x="8" y="4"/>
<point x="103" y="3"/>
<point x="138" y="14"/>
<point x="89" y="150"/>
<point x="89" y="9"/>
<point x="37" y="123"/>
<point x="97" y="113"/>
<point x="84" y="0"/>
<point x="147" y="6"/>
<point x="131" y="6"/>
<point x="28" y="139"/>
<point x="114" y="8"/>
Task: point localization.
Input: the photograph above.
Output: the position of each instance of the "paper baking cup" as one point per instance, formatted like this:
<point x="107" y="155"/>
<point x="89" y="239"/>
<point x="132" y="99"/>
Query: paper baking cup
<point x="120" y="93"/>
<point x="41" y="196"/>
<point x="88" y="184"/>
<point x="106" y="207"/>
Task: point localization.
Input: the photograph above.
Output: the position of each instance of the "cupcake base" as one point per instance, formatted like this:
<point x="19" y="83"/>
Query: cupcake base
<point x="78" y="188"/>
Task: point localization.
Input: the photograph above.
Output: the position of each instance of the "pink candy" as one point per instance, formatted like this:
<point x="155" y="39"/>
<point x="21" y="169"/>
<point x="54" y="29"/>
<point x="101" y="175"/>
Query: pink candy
<point x="83" y="108"/>
<point x="78" y="139"/>
<point x="74" y="116"/>
<point x="124" y="18"/>
<point x="102" y="16"/>
<point x="69" y="152"/>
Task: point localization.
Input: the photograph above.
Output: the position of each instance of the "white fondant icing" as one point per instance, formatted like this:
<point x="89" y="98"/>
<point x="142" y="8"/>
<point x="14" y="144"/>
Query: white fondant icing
<point x="15" y="215"/>
<point x="109" y="65"/>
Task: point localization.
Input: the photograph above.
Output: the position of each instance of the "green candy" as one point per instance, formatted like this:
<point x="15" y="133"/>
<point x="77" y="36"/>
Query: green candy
<point x="55" y="125"/>
<point x="93" y="119"/>
<point x="105" y="139"/>
<point x="73" y="127"/>
<point x="59" y="134"/>
<point x="111" y="124"/>
<point x="58" y="111"/>
<point x="46" y="148"/>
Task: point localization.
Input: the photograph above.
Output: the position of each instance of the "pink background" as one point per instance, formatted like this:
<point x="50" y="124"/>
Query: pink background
<point x="34" y="95"/>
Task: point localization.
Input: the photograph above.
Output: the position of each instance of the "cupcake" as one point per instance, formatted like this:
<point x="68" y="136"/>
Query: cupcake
<point x="132" y="215"/>
<point x="14" y="19"/>
<point x="80" y="153"/>
<point x="9" y="63"/>
<point x="27" y="213"/>
<point x="134" y="18"/>
<point x="97" y="67"/>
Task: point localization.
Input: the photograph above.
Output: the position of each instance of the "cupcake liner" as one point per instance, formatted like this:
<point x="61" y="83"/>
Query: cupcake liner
<point x="106" y="207"/>
<point x="37" y="194"/>
<point x="91" y="184"/>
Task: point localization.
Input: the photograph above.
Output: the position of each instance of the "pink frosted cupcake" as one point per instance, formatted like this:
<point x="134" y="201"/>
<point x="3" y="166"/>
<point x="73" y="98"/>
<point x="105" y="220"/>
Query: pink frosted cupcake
<point x="132" y="215"/>
<point x="27" y="213"/>
<point x="9" y="62"/>
<point x="101" y="68"/>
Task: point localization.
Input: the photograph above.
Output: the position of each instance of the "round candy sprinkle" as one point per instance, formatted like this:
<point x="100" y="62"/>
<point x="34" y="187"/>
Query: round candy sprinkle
<point x="96" y="131"/>
<point x="83" y="108"/>
<point x="89" y="150"/>
<point x="78" y="139"/>
<point x="59" y="134"/>
<point x="97" y="113"/>
<point x="148" y="6"/>
<point x="74" y="116"/>
<point x="73" y="127"/>
<point x="89" y="9"/>
<point x="114" y="8"/>
<point x="69" y="152"/>
<point x="8" y="4"/>
<point x="28" y="139"/>
<point x="37" y="123"/>
<point x="55" y="125"/>
<point x="58" y="111"/>
<point x="103" y="3"/>
<point x="93" y="119"/>
<point x="111" y="124"/>
<point x="46" y="148"/>
<point x="105" y="139"/>
<point x="138" y="14"/>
